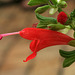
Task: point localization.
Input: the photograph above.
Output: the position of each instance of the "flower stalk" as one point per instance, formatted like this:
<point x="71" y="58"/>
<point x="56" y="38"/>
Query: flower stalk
<point x="8" y="34"/>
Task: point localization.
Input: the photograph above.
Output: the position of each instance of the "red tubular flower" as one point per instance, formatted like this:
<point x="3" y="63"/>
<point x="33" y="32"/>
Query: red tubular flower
<point x="62" y="17"/>
<point x="43" y="38"/>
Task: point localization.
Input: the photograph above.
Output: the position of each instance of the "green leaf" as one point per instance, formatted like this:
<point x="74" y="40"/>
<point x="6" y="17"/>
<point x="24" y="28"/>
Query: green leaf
<point x="73" y="24"/>
<point x="53" y="10"/>
<point x="69" y="57"/>
<point x="72" y="43"/>
<point x="56" y="26"/>
<point x="74" y="35"/>
<point x="72" y="15"/>
<point x="68" y="61"/>
<point x="72" y="19"/>
<point x="44" y="21"/>
<point x="42" y="9"/>
<point x="67" y="54"/>
<point x="49" y="20"/>
<point x="54" y="2"/>
<point x="66" y="29"/>
<point x="37" y="2"/>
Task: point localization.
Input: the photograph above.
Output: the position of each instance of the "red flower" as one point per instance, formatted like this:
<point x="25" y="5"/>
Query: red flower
<point x="62" y="17"/>
<point x="43" y="38"/>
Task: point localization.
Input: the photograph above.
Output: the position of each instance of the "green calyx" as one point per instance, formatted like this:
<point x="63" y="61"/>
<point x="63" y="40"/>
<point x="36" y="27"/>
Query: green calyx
<point x="72" y="43"/>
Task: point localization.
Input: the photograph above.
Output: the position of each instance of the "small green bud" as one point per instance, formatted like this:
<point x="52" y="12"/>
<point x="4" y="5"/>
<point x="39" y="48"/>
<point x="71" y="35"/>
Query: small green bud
<point x="53" y="10"/>
<point x="58" y="1"/>
<point x="62" y="4"/>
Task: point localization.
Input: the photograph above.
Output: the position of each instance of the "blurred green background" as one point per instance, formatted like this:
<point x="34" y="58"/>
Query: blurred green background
<point x="14" y="16"/>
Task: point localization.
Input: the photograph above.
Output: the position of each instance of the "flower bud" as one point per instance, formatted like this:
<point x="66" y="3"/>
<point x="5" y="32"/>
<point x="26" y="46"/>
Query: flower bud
<point x="62" y="17"/>
<point x="62" y="4"/>
<point x="53" y="10"/>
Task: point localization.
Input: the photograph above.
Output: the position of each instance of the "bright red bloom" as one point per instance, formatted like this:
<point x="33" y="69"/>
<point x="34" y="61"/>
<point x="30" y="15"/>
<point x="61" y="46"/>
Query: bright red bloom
<point x="43" y="38"/>
<point x="62" y="17"/>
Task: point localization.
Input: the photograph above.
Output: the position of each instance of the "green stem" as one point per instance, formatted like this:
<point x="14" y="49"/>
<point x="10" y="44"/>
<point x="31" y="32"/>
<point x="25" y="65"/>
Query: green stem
<point x="53" y="6"/>
<point x="50" y="4"/>
<point x="59" y="10"/>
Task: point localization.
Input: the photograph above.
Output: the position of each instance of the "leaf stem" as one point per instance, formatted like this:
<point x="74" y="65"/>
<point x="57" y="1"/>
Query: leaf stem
<point x="50" y="4"/>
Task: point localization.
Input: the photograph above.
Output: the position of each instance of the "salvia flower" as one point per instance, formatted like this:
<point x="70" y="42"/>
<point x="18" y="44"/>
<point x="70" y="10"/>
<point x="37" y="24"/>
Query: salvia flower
<point x="62" y="17"/>
<point x="41" y="38"/>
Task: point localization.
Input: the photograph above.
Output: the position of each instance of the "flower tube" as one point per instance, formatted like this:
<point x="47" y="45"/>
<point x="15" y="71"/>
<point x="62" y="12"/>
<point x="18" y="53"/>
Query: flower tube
<point x="41" y="38"/>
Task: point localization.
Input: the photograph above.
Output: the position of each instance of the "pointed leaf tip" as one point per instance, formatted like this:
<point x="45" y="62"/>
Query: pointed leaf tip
<point x="37" y="2"/>
<point x="42" y="9"/>
<point x="68" y="61"/>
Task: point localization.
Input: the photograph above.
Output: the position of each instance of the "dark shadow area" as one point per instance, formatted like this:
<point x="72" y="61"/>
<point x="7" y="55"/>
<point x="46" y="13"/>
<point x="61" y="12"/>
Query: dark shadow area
<point x="8" y="3"/>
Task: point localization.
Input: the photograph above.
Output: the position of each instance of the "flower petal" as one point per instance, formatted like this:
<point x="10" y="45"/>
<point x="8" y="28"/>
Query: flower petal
<point x="34" y="44"/>
<point x="44" y="43"/>
<point x="33" y="55"/>
<point x="42" y="34"/>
